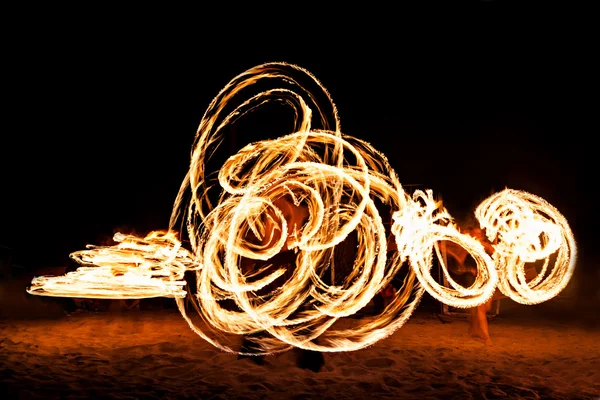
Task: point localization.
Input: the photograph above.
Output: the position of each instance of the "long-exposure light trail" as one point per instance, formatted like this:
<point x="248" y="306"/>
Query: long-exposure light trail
<point x="305" y="192"/>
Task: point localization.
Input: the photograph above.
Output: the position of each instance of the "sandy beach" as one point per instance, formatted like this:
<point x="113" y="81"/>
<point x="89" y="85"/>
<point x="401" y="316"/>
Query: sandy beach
<point x="540" y="352"/>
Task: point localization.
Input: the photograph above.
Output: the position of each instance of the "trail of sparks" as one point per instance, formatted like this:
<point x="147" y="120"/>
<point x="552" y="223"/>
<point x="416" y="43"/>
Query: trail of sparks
<point x="306" y="191"/>
<point x="134" y="268"/>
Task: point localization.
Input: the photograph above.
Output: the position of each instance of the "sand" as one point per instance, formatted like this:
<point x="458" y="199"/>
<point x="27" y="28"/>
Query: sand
<point x="136" y="354"/>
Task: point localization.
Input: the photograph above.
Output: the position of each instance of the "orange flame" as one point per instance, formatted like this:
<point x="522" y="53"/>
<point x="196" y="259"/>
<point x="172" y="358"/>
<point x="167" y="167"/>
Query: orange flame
<point x="307" y="191"/>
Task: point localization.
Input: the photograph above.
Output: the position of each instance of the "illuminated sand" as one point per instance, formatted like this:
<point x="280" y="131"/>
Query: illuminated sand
<point x="152" y="355"/>
<point x="338" y="180"/>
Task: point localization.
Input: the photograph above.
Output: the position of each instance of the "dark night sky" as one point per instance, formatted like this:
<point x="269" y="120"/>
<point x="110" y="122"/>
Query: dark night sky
<point x="464" y="103"/>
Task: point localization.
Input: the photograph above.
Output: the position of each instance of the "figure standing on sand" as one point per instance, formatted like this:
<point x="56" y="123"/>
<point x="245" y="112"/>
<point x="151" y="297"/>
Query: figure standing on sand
<point x="464" y="269"/>
<point x="296" y="217"/>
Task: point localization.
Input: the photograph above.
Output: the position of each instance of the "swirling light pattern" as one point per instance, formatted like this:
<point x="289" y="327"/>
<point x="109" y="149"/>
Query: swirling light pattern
<point x="133" y="269"/>
<point x="306" y="192"/>
<point x="528" y="230"/>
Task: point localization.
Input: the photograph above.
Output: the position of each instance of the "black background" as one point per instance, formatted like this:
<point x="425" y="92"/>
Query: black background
<point x="466" y="101"/>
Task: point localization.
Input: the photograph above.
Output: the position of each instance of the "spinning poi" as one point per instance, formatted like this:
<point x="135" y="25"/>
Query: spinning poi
<point x="339" y="182"/>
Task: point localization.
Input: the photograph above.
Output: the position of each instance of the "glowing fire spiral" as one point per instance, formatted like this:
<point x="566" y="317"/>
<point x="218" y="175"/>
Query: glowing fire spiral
<point x="528" y="230"/>
<point x="306" y="192"/>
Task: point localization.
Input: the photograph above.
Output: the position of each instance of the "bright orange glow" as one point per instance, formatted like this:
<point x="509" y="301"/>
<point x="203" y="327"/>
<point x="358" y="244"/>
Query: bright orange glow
<point x="134" y="268"/>
<point x="528" y="230"/>
<point x="306" y="191"/>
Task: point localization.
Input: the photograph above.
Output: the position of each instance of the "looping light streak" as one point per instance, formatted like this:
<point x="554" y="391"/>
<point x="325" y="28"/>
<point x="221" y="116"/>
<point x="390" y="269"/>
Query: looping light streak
<point x="528" y="231"/>
<point x="306" y="192"/>
<point x="418" y="228"/>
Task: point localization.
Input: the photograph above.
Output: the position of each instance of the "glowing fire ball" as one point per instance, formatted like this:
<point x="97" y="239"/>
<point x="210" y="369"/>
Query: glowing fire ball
<point x="305" y="193"/>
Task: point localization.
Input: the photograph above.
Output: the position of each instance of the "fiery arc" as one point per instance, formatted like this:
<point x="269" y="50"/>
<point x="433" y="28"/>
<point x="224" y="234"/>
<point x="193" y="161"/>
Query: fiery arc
<point x="340" y="181"/>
